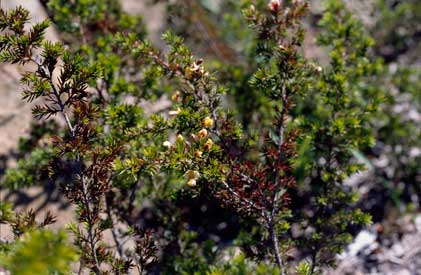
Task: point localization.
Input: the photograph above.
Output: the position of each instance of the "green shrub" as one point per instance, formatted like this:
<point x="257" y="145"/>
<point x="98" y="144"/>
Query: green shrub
<point x="239" y="159"/>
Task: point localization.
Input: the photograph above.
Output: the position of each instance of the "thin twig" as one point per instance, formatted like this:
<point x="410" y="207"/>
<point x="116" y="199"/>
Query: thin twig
<point x="91" y="235"/>
<point x="275" y="198"/>
<point x="113" y="232"/>
<point x="245" y="201"/>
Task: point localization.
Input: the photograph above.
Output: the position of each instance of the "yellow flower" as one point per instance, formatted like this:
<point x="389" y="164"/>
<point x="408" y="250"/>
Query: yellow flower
<point x="188" y="72"/>
<point x="203" y="133"/>
<point x="208" y="144"/>
<point x="192" y="176"/>
<point x="174" y="112"/>
<point x="191" y="182"/>
<point x="176" y="96"/>
<point x="198" y="154"/>
<point x="195" y="70"/>
<point x="180" y="138"/>
<point x="207" y="122"/>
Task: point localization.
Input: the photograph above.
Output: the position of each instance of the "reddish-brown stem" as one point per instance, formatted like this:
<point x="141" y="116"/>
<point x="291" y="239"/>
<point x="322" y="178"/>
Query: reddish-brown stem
<point x="62" y="106"/>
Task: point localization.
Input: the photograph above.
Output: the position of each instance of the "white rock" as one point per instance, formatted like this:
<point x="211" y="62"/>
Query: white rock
<point x="363" y="240"/>
<point x="417" y="222"/>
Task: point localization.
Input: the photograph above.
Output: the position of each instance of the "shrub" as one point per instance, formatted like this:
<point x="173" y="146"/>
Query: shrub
<point x="195" y="178"/>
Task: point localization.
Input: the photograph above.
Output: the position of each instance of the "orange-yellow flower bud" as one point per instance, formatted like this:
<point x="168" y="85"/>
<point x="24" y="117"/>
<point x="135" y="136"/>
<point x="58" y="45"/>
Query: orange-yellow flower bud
<point x="208" y="144"/>
<point x="275" y="5"/>
<point x="203" y="133"/>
